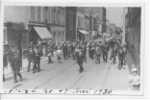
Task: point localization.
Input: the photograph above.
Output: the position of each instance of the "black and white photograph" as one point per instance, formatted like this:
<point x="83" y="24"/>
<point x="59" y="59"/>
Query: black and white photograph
<point x="72" y="48"/>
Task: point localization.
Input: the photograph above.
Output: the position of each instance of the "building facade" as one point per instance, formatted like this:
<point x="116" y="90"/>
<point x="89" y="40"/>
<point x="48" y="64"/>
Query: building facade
<point x="92" y="20"/>
<point x="66" y="23"/>
<point x="63" y="23"/>
<point x="133" y="31"/>
<point x="71" y="23"/>
<point x="51" y="17"/>
<point x="81" y="22"/>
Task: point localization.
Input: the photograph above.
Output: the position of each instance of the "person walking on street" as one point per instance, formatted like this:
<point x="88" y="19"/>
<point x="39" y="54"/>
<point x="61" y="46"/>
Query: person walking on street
<point x="5" y="63"/>
<point x="58" y="54"/>
<point x="114" y="53"/>
<point x="15" y="63"/>
<point x="124" y="54"/>
<point x="50" y="55"/>
<point x="37" y="55"/>
<point x="120" y="56"/>
<point x="65" y="50"/>
<point x="98" y="53"/>
<point x="93" y="51"/>
<point x="105" y="50"/>
<point x="30" y="58"/>
<point x="79" y="59"/>
<point x="89" y="49"/>
<point x="5" y="60"/>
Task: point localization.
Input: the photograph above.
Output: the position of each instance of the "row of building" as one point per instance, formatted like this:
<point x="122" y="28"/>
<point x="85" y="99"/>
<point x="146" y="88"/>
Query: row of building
<point x="58" y="23"/>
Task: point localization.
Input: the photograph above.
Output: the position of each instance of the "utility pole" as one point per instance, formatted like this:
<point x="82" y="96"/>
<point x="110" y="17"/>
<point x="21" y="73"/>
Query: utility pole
<point x="104" y="20"/>
<point x="124" y="28"/>
<point x="91" y="22"/>
<point x="76" y="24"/>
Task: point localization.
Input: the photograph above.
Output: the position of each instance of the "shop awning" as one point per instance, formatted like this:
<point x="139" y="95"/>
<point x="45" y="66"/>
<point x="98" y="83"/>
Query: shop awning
<point x="84" y="32"/>
<point x="43" y="32"/>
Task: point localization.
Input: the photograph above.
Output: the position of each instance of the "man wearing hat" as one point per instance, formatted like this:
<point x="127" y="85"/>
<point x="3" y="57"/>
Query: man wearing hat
<point x="5" y="61"/>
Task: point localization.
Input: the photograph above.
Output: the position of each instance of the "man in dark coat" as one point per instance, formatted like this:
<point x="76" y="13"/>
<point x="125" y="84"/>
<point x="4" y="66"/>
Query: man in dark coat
<point x="65" y="50"/>
<point x="89" y="50"/>
<point x="80" y="58"/>
<point x="124" y="54"/>
<point x="120" y="56"/>
<point x="5" y="63"/>
<point x="30" y="58"/>
<point x="98" y="53"/>
<point x="105" y="49"/>
<point x="37" y="56"/>
<point x="92" y="53"/>
<point x="50" y="55"/>
<point x="5" y="59"/>
<point x="114" y="53"/>
<point x="15" y="63"/>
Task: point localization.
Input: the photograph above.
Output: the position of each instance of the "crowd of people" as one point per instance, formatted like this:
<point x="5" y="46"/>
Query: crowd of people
<point x="78" y="51"/>
<point x="97" y="50"/>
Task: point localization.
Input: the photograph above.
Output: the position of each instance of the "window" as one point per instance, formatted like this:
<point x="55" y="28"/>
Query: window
<point x="45" y="14"/>
<point x="39" y="14"/>
<point x="50" y="15"/>
<point x="53" y="15"/>
<point x="32" y="14"/>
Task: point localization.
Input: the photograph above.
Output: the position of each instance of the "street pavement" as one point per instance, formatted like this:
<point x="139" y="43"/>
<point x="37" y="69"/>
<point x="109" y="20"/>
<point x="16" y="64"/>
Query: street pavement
<point x="66" y="75"/>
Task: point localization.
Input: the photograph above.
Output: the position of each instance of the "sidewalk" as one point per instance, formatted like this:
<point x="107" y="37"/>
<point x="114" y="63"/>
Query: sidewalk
<point x="8" y="71"/>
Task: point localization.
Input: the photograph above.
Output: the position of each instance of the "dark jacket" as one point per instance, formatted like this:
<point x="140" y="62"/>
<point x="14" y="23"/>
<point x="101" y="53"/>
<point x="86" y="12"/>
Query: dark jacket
<point x="14" y="60"/>
<point x="36" y="56"/>
<point x="30" y="55"/>
<point x="5" y="62"/>
<point x="79" y="57"/>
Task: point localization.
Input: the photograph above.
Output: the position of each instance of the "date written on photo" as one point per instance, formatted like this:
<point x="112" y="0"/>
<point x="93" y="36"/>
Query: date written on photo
<point x="63" y="91"/>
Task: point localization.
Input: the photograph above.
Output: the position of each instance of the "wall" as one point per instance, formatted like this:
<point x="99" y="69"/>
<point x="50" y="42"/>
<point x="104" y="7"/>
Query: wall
<point x="133" y="29"/>
<point x="71" y="23"/>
